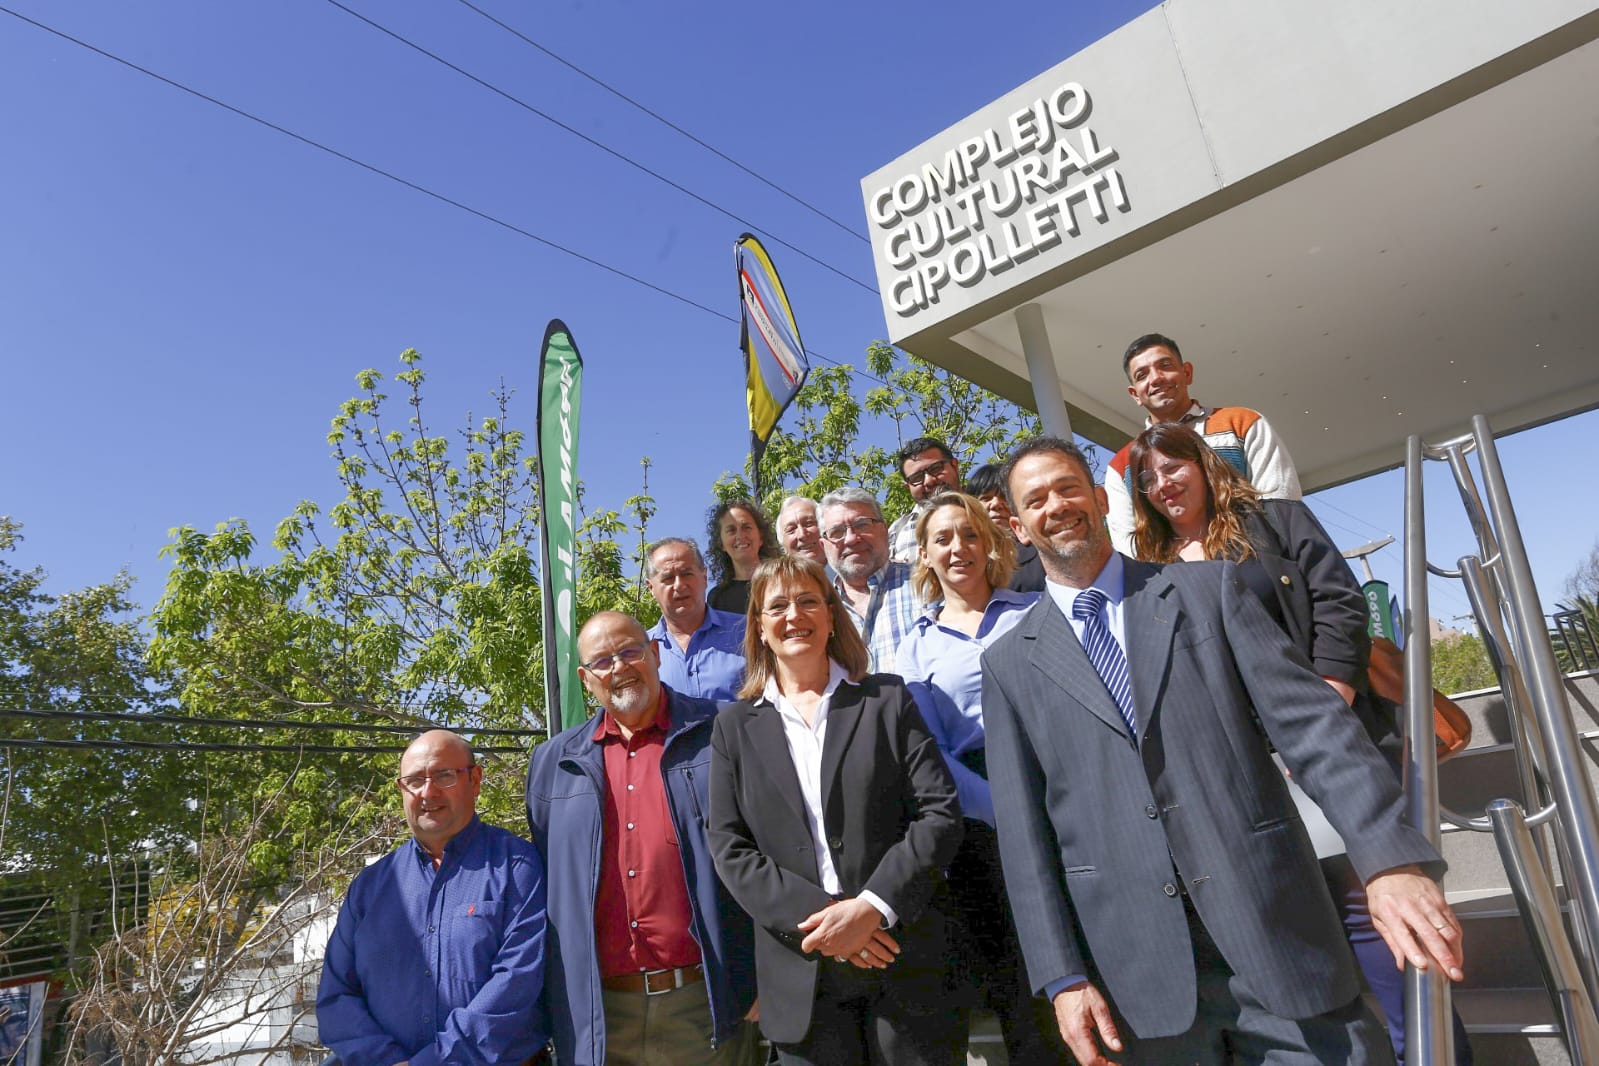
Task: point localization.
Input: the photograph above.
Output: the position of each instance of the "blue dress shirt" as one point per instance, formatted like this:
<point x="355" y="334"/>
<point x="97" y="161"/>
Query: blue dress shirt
<point x="439" y="965"/>
<point x="713" y="666"/>
<point x="943" y="669"/>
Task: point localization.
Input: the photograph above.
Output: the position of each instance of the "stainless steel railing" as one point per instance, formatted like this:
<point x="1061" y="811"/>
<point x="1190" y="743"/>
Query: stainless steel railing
<point x="1549" y="762"/>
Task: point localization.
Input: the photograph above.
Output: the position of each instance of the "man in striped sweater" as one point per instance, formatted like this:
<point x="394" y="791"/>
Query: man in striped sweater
<point x="1158" y="381"/>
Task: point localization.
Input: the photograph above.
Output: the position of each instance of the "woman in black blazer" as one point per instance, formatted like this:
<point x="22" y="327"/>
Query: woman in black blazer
<point x="1190" y="504"/>
<point x="832" y="820"/>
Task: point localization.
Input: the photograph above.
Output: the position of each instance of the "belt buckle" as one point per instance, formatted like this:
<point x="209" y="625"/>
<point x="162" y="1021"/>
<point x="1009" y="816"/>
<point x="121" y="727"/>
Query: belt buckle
<point x="677" y="977"/>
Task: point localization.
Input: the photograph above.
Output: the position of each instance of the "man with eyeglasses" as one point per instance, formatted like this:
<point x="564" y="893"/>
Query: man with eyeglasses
<point x="651" y="961"/>
<point x="701" y="648"/>
<point x="1158" y="381"/>
<point x="438" y="952"/>
<point x="799" y="528"/>
<point x="928" y="468"/>
<point x="876" y="590"/>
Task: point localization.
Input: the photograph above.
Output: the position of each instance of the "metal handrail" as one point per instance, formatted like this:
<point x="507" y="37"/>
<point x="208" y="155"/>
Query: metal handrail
<point x="1549" y="761"/>
<point x="1540" y="910"/>
<point x="1429" y="1033"/>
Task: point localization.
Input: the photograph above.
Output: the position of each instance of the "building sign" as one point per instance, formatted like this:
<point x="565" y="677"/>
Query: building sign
<point x="995" y="199"/>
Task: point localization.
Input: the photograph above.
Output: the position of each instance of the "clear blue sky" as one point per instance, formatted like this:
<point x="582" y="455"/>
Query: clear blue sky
<point x="187" y="295"/>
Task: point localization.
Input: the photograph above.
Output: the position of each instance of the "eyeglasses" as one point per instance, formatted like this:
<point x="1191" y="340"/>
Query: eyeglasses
<point x="415" y="783"/>
<point x="930" y="470"/>
<point x="632" y="655"/>
<point x="807" y="605"/>
<point x="1176" y="473"/>
<point x="859" y="526"/>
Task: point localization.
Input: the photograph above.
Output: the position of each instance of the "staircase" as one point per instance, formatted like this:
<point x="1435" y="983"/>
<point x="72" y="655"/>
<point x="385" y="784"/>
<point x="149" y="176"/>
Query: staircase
<point x="1503" y="1001"/>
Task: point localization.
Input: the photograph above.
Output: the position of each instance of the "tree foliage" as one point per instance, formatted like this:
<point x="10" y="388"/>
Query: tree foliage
<point x="68" y="810"/>
<point x="835" y="438"/>
<point x="1460" y="664"/>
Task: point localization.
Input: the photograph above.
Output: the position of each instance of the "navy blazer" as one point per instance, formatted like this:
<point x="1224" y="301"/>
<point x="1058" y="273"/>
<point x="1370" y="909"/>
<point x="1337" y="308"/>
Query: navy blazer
<point x="1100" y="837"/>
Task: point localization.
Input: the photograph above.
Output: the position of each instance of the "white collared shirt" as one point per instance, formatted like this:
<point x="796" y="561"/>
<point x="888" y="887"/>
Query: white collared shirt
<point x="805" y="744"/>
<point x="1112" y="582"/>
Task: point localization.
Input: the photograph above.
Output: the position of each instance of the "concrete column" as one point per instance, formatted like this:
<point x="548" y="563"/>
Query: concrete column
<point x="1041" y="371"/>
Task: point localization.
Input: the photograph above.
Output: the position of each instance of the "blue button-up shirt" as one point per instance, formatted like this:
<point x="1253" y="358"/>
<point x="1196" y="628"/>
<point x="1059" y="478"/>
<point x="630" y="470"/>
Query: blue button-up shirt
<point x="439" y="965"/>
<point x="713" y="666"/>
<point x="943" y="669"/>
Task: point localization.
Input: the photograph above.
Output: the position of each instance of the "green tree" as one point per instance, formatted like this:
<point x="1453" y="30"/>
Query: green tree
<point x="77" y="798"/>
<point x="834" y="437"/>
<point x="413" y="601"/>
<point x="1460" y="664"/>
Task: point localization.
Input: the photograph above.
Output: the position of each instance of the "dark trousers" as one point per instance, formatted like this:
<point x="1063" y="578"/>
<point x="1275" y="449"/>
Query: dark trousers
<point x="855" y="1023"/>
<point x="990" y="967"/>
<point x="1385" y="980"/>
<point x="1232" y="1026"/>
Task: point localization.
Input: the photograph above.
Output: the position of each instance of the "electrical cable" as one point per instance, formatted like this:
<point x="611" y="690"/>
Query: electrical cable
<point x="156" y="718"/>
<point x="413" y="186"/>
<point x="185" y="746"/>
<point x="668" y="123"/>
<point x="607" y="149"/>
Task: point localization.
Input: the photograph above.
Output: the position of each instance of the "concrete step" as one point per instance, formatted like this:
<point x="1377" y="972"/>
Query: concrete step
<point x="1511" y="1027"/>
<point x="1491" y="726"/>
<point x="1498" y="951"/>
<point x="1478" y="775"/>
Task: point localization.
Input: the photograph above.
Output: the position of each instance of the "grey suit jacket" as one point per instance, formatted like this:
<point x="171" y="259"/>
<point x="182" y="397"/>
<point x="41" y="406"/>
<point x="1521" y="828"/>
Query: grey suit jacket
<point x="1100" y="837"/>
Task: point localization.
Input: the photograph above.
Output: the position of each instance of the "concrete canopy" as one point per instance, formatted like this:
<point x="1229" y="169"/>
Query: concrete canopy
<point x="1365" y="220"/>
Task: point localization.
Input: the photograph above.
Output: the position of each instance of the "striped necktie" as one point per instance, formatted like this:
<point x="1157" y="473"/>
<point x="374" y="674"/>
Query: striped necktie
<point x="1103" y="651"/>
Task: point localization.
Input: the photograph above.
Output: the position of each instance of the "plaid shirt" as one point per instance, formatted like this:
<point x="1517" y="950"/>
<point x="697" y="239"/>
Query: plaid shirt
<point x="902" y="546"/>
<point x="890" y="613"/>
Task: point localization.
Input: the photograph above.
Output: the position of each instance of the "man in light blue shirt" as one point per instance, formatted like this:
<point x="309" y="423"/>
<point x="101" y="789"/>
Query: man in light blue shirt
<point x="702" y="649"/>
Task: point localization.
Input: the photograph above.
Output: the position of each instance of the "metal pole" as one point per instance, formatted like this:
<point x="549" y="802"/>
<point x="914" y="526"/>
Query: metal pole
<point x="1568" y="777"/>
<point x="1429" y="1032"/>
<point x="1041" y="370"/>
<point x="1540" y="910"/>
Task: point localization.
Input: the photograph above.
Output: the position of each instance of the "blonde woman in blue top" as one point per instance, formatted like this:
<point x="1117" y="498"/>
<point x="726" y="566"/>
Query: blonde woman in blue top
<point x="963" y="564"/>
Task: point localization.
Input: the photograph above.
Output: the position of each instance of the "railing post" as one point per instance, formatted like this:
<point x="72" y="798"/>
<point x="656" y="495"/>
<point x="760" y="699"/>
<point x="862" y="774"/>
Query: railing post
<point x="1429" y="1032"/>
<point x="1568" y="778"/>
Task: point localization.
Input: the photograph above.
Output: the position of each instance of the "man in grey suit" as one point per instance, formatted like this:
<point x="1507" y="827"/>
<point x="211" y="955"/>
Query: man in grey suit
<point x="1166" y="893"/>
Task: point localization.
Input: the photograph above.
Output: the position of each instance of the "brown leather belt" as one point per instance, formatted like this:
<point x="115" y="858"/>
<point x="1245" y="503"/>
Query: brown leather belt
<point x="655" y="982"/>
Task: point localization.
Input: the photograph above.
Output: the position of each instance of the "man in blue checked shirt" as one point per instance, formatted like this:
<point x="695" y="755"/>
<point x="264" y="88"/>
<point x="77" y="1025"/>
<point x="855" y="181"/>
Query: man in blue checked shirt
<point x="438" y="953"/>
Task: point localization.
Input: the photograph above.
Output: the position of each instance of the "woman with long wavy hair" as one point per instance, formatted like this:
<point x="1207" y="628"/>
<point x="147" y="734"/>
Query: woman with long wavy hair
<point x="738" y="535"/>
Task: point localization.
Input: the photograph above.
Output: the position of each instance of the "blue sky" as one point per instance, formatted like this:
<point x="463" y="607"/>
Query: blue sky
<point x="188" y="295"/>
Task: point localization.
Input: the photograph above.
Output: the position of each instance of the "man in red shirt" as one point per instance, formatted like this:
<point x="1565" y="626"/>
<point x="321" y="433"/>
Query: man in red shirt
<point x="650" y="961"/>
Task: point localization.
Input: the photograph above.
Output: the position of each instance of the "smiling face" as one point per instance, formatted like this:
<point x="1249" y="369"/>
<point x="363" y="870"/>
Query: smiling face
<point x="796" y="621"/>
<point x="1176" y="488"/>
<point x="435" y="814"/>
<point x="857" y="554"/>
<point x="799" y="530"/>
<point x="677" y="581"/>
<point x="740" y="537"/>
<point x="954" y="549"/>
<point x="1158" y="382"/>
<point x="631" y="692"/>
<point x="1061" y="512"/>
<point x="929" y="473"/>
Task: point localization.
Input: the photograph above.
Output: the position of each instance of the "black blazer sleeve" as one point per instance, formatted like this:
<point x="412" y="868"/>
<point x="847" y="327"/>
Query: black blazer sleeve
<point x="777" y="897"/>
<point x="905" y="876"/>
<point x="1326" y="613"/>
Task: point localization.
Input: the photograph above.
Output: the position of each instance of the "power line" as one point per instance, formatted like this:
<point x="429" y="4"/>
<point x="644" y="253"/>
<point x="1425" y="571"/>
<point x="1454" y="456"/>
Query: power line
<point x="154" y="718"/>
<point x="186" y="746"/>
<point x="369" y="167"/>
<point x="397" y="179"/>
<point x="607" y="149"/>
<point x="668" y="123"/>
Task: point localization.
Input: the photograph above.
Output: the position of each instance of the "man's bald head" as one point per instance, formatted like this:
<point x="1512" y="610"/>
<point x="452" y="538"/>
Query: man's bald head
<point x="436" y="811"/>
<point x="621" y="667"/>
